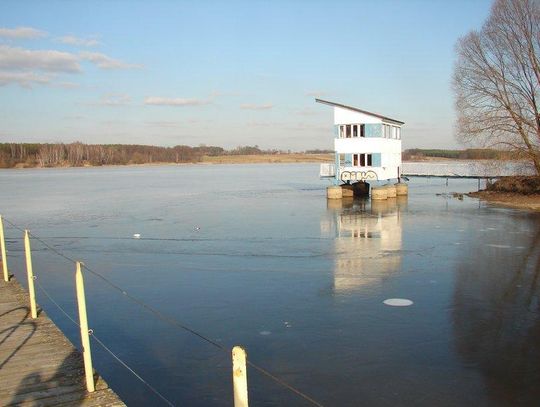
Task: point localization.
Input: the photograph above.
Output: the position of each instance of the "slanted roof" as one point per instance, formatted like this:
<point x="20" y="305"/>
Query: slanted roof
<point x="384" y="118"/>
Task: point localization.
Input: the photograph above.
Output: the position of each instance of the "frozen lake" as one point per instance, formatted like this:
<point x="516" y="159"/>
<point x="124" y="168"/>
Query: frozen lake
<point x="253" y="255"/>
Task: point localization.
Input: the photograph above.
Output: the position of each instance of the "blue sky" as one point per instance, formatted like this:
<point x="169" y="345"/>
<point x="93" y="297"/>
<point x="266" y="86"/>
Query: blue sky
<point x="227" y="73"/>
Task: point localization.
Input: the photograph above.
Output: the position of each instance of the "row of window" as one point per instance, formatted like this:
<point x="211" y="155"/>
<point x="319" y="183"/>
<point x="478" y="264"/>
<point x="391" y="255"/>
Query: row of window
<point x="392" y="132"/>
<point x="352" y="130"/>
<point x="359" y="130"/>
<point x="359" y="160"/>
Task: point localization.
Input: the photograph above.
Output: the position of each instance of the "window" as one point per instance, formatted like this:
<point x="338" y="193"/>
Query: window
<point x="399" y="133"/>
<point x="352" y="130"/>
<point x="362" y="160"/>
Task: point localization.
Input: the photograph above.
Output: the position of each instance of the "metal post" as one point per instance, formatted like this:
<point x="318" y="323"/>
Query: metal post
<point x="239" y="377"/>
<point x="30" y="273"/>
<point x="83" y="321"/>
<point x="3" y="249"/>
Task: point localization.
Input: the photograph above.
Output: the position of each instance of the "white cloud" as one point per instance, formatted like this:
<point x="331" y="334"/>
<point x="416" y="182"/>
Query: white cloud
<point x="308" y="127"/>
<point x="46" y="60"/>
<point x="23" y="66"/>
<point x="24" y="79"/>
<point x="115" y="99"/>
<point x="22" y="33"/>
<point x="80" y="42"/>
<point x="249" y="106"/>
<point x="105" y="62"/>
<point x="162" y="101"/>
<point x="308" y="112"/>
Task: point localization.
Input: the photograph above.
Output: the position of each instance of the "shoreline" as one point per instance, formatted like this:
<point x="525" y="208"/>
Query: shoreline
<point x="292" y="158"/>
<point x="502" y="199"/>
<point x="242" y="159"/>
<point x="509" y="200"/>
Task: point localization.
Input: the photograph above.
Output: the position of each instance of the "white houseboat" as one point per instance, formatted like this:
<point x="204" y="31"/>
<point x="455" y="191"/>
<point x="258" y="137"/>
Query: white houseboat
<point x="367" y="146"/>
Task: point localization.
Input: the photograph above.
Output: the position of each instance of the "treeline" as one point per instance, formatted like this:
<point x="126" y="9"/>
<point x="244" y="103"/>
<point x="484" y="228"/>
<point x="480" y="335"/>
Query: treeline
<point x="468" y="154"/>
<point x="79" y="154"/>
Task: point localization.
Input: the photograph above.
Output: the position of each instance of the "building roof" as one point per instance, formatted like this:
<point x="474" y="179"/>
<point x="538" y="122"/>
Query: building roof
<point x="384" y="118"/>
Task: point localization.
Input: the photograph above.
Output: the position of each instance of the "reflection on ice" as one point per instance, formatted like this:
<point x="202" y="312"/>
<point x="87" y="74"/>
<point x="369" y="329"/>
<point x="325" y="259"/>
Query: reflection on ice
<point x="496" y="318"/>
<point x="368" y="240"/>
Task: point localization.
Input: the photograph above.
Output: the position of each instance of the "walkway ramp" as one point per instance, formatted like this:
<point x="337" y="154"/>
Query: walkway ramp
<point x="466" y="169"/>
<point x="38" y="364"/>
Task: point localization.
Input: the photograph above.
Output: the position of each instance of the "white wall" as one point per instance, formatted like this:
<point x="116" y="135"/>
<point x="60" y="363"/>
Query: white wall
<point x="390" y="154"/>
<point x="383" y="173"/>
<point x="368" y="145"/>
<point x="346" y="116"/>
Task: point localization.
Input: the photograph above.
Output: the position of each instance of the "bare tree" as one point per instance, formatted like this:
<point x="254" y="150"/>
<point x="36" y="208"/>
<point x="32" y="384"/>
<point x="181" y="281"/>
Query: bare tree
<point x="497" y="80"/>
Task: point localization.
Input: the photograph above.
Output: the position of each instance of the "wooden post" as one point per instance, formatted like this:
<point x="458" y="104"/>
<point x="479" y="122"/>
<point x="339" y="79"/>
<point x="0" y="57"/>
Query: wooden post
<point x="30" y="273"/>
<point x="239" y="377"/>
<point x="3" y="249"/>
<point x="83" y="321"/>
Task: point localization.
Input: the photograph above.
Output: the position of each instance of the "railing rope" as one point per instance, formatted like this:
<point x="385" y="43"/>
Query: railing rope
<point x="83" y="322"/>
<point x="30" y="274"/>
<point x="239" y="357"/>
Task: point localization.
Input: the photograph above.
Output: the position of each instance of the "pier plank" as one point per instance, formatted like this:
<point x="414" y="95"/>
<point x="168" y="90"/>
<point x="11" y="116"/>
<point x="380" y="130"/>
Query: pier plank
<point x="38" y="364"/>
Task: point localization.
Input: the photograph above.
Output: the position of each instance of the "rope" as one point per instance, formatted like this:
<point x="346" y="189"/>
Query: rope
<point x="167" y="319"/>
<point x="131" y="370"/>
<point x="93" y="335"/>
<point x="284" y="384"/>
<point x="54" y="302"/>
<point x="176" y="323"/>
<point x="42" y="242"/>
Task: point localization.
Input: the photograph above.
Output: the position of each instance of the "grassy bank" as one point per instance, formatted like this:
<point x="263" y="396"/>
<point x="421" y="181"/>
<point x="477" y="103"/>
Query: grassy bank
<point x="275" y="158"/>
<point x="513" y="192"/>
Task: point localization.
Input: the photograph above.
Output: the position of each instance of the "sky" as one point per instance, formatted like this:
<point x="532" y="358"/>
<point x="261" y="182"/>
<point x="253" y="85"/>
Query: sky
<point x="227" y="73"/>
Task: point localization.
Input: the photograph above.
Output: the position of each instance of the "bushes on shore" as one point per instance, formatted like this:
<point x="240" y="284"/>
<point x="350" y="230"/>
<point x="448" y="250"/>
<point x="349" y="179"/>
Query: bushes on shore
<point x="79" y="154"/>
<point x="518" y="185"/>
<point x="468" y="154"/>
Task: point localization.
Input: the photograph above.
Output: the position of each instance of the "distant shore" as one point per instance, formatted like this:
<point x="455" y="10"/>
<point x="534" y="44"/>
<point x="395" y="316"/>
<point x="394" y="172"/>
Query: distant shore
<point x="273" y="158"/>
<point x="499" y="198"/>
<point x="220" y="159"/>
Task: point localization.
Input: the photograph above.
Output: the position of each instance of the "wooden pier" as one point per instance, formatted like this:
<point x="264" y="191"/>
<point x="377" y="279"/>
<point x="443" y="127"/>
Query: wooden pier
<point x="38" y="365"/>
<point x="480" y="169"/>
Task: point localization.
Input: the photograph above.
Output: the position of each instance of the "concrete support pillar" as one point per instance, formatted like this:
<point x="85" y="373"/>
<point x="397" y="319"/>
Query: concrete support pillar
<point x="334" y="192"/>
